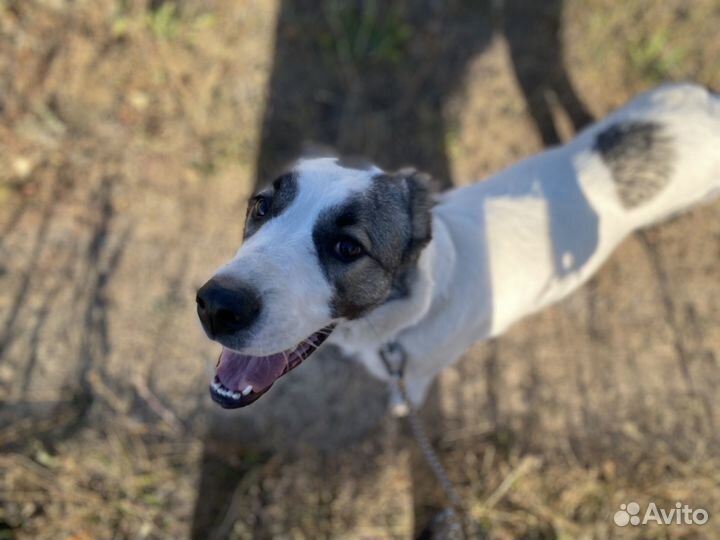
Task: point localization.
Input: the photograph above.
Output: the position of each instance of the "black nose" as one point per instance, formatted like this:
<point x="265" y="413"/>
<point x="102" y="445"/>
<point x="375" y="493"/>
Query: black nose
<point x="225" y="308"/>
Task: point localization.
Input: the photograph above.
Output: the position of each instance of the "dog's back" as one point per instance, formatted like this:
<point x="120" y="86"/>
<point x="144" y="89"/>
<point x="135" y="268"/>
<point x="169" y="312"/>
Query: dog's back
<point x="546" y="224"/>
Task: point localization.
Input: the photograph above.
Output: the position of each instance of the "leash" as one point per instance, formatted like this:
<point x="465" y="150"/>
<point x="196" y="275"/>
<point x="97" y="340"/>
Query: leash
<point x="395" y="358"/>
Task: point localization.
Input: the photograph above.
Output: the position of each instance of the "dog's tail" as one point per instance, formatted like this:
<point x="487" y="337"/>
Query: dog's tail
<point x="662" y="151"/>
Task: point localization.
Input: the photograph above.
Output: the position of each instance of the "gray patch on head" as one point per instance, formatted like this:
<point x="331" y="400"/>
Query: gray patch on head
<point x="281" y="193"/>
<point x="640" y="157"/>
<point x="392" y="220"/>
<point x="420" y="200"/>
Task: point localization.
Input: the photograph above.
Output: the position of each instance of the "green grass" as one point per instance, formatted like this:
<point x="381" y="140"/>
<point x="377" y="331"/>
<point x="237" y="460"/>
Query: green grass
<point x="654" y="58"/>
<point x="365" y="32"/>
<point x="164" y="23"/>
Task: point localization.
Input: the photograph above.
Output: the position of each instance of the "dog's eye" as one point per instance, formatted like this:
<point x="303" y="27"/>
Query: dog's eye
<point x="348" y="250"/>
<point x="260" y="207"/>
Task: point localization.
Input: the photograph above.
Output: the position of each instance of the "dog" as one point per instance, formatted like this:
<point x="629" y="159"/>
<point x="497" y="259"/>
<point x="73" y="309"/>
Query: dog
<point x="350" y="254"/>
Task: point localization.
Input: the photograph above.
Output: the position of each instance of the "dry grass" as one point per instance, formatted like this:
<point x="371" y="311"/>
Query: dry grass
<point x="113" y="484"/>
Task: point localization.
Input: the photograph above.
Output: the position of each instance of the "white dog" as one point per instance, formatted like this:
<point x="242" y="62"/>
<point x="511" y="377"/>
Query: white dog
<point x="370" y="258"/>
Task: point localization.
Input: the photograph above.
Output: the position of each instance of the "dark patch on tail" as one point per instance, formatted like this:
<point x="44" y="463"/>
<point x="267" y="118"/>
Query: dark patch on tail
<point x="640" y="156"/>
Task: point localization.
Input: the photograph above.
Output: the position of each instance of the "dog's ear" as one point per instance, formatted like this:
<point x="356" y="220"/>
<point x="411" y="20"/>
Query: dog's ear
<point x="421" y="194"/>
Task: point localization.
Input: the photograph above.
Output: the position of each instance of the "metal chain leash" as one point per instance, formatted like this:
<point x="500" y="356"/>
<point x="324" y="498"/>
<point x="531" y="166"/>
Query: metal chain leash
<point x="455" y="522"/>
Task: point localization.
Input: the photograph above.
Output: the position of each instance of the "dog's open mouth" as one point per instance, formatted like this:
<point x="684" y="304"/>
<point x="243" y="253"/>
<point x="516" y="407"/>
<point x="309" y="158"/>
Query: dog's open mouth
<point x="241" y="379"/>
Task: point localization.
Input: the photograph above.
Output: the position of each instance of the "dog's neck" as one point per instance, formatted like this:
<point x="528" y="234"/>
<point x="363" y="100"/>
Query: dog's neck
<point x="422" y="286"/>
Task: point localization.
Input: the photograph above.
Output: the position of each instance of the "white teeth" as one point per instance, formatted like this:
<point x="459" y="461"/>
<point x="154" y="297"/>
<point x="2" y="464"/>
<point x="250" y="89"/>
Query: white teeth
<point x="247" y="390"/>
<point x="225" y="392"/>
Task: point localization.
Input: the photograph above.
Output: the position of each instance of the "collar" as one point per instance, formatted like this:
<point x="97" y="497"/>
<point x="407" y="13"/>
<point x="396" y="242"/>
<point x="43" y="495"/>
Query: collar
<point x="394" y="357"/>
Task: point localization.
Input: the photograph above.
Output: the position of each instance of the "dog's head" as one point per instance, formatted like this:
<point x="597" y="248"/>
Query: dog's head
<point x="324" y="243"/>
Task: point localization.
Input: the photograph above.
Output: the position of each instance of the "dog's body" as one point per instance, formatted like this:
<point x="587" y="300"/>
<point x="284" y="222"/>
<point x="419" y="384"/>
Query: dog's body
<point x="485" y="255"/>
<point x="528" y="236"/>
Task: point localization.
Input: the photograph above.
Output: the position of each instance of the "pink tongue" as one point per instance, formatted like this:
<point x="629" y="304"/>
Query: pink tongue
<point x="238" y="371"/>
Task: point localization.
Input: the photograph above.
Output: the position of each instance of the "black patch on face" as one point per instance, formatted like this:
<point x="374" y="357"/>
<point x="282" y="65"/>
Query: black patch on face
<point x="393" y="222"/>
<point x="279" y="195"/>
<point x="640" y="157"/>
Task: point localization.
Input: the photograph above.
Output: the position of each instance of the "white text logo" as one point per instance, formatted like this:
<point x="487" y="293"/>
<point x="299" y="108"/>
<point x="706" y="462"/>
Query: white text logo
<point x="680" y="514"/>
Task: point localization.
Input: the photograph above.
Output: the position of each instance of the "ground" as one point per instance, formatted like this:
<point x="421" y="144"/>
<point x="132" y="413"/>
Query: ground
<point x="131" y="132"/>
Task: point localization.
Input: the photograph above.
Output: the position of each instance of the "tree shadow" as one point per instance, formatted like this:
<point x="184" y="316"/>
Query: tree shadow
<point x="90" y="271"/>
<point x="371" y="79"/>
